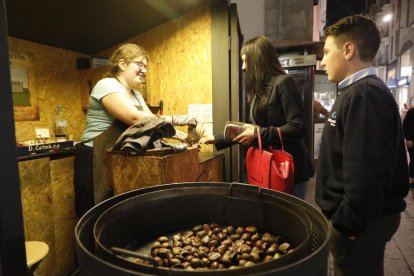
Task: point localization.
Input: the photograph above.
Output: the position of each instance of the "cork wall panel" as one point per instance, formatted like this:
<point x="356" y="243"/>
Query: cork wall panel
<point x="88" y="79"/>
<point x="56" y="80"/>
<point x="179" y="61"/>
<point x="63" y="214"/>
<point x="37" y="207"/>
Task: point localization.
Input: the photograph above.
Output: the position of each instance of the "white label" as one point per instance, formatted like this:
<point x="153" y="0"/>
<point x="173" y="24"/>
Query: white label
<point x="42" y="132"/>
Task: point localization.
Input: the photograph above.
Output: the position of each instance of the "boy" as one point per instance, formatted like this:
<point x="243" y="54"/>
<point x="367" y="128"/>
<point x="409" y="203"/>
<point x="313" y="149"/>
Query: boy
<point x="362" y="174"/>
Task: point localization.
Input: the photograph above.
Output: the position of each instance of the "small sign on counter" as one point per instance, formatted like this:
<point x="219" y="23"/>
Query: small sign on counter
<point x="203" y="113"/>
<point x="39" y="148"/>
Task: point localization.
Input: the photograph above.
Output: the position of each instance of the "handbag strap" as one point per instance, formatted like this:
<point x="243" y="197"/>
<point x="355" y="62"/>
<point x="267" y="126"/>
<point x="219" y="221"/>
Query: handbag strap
<point x="280" y="137"/>
<point x="259" y="139"/>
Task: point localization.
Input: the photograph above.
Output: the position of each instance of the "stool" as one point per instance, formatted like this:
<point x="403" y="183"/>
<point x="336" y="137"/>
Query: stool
<point x="35" y="252"/>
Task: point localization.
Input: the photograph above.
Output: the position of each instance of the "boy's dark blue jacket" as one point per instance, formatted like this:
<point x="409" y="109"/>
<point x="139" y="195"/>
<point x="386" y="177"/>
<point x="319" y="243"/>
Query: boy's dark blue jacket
<point x="362" y="171"/>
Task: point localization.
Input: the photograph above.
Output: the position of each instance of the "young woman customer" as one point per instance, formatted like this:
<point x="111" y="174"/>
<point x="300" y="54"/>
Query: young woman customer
<point x="275" y="101"/>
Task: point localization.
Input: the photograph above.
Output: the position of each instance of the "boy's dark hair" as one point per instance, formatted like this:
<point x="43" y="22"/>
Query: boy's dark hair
<point x="359" y="29"/>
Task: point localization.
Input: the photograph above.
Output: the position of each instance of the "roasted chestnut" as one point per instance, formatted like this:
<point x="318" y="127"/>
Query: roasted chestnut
<point x="212" y="246"/>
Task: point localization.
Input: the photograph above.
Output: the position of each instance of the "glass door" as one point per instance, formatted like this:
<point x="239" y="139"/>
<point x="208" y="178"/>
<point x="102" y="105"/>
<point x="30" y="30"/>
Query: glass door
<point x="304" y="75"/>
<point x="324" y="96"/>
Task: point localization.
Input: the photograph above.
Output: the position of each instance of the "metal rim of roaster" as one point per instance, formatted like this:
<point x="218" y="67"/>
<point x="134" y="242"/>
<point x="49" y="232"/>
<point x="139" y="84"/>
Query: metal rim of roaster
<point x="92" y="252"/>
<point x="120" y="224"/>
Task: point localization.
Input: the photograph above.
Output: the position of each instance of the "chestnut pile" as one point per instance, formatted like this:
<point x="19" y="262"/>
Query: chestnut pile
<point x="212" y="246"/>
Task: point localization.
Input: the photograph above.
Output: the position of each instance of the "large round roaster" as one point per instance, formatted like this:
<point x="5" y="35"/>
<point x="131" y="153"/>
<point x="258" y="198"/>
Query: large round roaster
<point x="133" y="219"/>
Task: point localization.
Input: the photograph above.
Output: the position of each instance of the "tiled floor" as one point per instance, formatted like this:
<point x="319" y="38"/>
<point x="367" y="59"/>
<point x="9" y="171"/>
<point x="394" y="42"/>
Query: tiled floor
<point x="399" y="253"/>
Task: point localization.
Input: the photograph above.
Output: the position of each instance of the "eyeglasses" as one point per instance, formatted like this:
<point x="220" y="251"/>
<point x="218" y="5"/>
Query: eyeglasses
<point x="140" y="64"/>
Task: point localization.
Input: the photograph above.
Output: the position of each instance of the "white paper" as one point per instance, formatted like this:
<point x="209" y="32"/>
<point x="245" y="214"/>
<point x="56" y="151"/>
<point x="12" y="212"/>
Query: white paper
<point x="202" y="112"/>
<point x="42" y="132"/>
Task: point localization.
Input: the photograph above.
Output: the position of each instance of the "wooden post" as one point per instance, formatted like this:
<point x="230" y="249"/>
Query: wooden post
<point x="12" y="251"/>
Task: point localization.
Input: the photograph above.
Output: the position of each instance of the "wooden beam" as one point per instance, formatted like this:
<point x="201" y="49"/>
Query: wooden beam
<point x="12" y="250"/>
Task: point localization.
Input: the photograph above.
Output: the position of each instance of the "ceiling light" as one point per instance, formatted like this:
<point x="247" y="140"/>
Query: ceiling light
<point x="387" y="18"/>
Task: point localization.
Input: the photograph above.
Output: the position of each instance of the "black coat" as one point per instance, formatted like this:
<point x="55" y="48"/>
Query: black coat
<point x="362" y="165"/>
<point x="281" y="105"/>
<point x="408" y="124"/>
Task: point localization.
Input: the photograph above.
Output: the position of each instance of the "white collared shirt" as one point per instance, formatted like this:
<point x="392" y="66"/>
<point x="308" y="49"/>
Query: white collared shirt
<point x="369" y="71"/>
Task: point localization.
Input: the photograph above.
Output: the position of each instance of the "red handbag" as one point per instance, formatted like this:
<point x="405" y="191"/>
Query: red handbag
<point x="270" y="168"/>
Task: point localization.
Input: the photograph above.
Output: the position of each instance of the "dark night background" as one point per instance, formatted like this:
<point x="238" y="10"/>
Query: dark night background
<point x="336" y="9"/>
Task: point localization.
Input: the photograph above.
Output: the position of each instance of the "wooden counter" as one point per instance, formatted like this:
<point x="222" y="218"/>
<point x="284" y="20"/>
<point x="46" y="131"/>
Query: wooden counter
<point x="66" y="152"/>
<point x="131" y="172"/>
<point x="211" y="167"/>
<point x="48" y="200"/>
<point x="46" y="187"/>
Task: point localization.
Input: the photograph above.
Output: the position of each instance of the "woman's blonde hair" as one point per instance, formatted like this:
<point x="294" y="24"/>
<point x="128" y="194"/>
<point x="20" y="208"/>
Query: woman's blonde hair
<point x="127" y="52"/>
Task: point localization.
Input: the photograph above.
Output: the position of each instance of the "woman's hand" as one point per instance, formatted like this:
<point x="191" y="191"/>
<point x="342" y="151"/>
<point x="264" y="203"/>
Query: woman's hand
<point x="247" y="136"/>
<point x="409" y="143"/>
<point x="207" y="139"/>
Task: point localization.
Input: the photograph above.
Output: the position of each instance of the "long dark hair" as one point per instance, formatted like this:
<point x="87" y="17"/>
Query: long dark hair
<point x="261" y="61"/>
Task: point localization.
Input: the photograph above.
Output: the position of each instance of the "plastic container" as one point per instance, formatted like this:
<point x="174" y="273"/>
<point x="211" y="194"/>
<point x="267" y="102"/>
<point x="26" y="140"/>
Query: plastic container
<point x="61" y="124"/>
